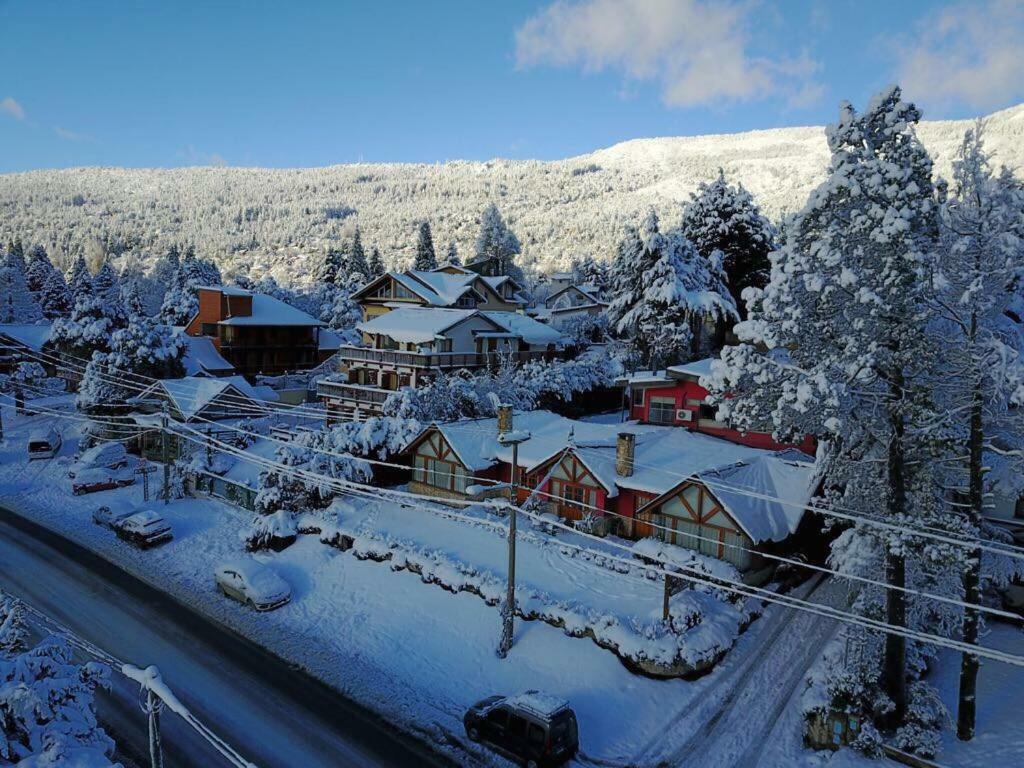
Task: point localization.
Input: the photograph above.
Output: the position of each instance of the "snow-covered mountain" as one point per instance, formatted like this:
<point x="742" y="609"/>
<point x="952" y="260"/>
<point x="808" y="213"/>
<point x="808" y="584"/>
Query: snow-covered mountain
<point x="279" y="221"/>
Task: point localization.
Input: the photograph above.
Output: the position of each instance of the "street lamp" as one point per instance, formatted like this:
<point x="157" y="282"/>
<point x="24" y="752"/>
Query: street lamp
<point x="513" y="438"/>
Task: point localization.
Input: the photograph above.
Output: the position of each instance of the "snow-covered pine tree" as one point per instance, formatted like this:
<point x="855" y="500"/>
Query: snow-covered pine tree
<point x="496" y="246"/>
<point x="587" y="271"/>
<point x="426" y="259"/>
<point x="17" y="303"/>
<point x="376" y="263"/>
<point x="144" y="348"/>
<point x="979" y="270"/>
<point x="835" y="343"/>
<point x="54" y="297"/>
<point x="625" y="275"/>
<point x="722" y="217"/>
<point x="80" y="279"/>
<point x="88" y="328"/>
<point x="451" y="256"/>
<point x="358" y="267"/>
<point x="327" y="271"/>
<point x="38" y="268"/>
<point x="671" y="297"/>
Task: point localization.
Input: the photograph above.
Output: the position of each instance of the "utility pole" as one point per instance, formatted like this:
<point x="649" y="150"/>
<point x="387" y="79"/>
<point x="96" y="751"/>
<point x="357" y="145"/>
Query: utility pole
<point x="507" y="437"/>
<point x="165" y="455"/>
<point x="153" y="707"/>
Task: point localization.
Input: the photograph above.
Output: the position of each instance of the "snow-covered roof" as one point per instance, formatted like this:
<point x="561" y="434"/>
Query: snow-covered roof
<point x="529" y="330"/>
<point x="329" y="340"/>
<point x="644" y="378"/>
<point x="190" y="395"/>
<point x="247" y="473"/>
<point x="587" y="291"/>
<point x="201" y="356"/>
<point x="266" y="310"/>
<point x="227" y="290"/>
<point x="32" y="336"/>
<point x="437" y="287"/>
<point x="694" y="369"/>
<point x="788" y="477"/>
<point x="415" y="325"/>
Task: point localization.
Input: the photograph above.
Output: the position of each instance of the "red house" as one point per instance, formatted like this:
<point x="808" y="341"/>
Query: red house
<point x="674" y="397"/>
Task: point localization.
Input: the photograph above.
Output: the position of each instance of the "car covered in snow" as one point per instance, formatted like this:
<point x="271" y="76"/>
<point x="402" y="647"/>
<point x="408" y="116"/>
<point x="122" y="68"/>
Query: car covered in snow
<point x="43" y="444"/>
<point x="145" y="529"/>
<point x="93" y="480"/>
<point x="533" y="728"/>
<point x="102" y="456"/>
<point x="110" y="518"/>
<point x="252" y="583"/>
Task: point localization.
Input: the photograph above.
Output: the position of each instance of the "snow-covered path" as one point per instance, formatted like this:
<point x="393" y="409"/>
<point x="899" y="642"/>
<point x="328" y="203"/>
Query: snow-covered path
<point x="272" y="714"/>
<point x="731" y="724"/>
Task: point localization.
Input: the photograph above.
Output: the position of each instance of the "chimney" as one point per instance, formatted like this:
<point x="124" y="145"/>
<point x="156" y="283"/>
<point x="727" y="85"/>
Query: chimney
<point x="504" y="419"/>
<point x="625" y="447"/>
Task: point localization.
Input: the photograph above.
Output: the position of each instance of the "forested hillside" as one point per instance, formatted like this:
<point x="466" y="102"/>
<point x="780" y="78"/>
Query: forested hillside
<point x="266" y="221"/>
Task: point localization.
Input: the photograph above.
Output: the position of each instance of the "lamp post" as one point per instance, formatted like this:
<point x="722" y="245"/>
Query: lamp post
<point x="508" y="613"/>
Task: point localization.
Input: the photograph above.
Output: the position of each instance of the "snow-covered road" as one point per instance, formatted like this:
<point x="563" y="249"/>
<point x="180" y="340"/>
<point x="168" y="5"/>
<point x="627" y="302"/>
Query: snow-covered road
<point x="274" y="715"/>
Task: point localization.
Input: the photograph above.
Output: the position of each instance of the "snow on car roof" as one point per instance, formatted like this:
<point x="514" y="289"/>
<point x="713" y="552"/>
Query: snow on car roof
<point x="40" y="434"/>
<point x="266" y="310"/>
<point x="538" y="703"/>
<point x="146" y="518"/>
<point x="415" y="325"/>
<point x="101" y="450"/>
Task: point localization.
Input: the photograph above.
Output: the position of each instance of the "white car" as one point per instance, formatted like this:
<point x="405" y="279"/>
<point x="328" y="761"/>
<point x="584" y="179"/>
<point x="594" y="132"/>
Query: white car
<point x="43" y="444"/>
<point x="109" y="518"/>
<point x="252" y="583"/>
<point x="102" y="456"/>
<point x="145" y="529"/>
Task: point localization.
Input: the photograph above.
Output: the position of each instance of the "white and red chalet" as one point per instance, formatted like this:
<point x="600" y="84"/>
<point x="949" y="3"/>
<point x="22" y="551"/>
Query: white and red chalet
<point x="720" y="498"/>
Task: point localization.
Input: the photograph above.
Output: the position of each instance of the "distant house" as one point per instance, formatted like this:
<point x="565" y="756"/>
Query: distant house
<point x="410" y="345"/>
<point x="675" y="397"/>
<point x="448" y="287"/>
<point x="258" y="334"/>
<point x="635" y="479"/>
<point x="23" y="343"/>
<point x="197" y="398"/>
<point x="570" y="303"/>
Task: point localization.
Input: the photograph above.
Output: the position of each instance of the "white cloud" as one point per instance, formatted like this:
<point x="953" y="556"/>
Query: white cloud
<point x="13" y="108"/>
<point x="69" y="135"/>
<point x="697" y="51"/>
<point x="968" y="53"/>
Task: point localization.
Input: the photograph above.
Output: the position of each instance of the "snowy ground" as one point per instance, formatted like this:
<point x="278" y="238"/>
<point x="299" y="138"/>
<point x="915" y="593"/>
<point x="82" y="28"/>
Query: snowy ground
<point x="420" y="655"/>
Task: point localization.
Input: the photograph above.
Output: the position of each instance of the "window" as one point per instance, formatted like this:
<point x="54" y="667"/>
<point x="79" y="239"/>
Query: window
<point x="517" y="727"/>
<point x="498" y="717"/>
<point x="536" y="735"/>
<point x="663" y="410"/>
<point x="707" y="413"/>
<point x="208" y="329"/>
<point x="574" y="494"/>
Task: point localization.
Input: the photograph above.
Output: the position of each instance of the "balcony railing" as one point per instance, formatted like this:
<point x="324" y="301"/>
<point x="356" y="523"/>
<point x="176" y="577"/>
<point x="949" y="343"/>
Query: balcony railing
<point x="438" y="360"/>
<point x="354" y="392"/>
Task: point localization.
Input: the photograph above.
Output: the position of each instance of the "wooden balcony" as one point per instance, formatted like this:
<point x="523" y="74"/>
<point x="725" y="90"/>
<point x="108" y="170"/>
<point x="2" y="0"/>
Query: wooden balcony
<point x="389" y="358"/>
<point x="355" y="393"/>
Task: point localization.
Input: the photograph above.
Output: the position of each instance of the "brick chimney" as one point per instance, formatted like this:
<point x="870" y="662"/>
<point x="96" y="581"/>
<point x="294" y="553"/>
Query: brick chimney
<point x="625" y="446"/>
<point x="504" y="419"/>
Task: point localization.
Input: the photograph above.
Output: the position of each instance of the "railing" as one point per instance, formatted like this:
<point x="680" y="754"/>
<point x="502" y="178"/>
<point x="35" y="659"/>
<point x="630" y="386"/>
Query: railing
<point x="356" y="392"/>
<point x="438" y="359"/>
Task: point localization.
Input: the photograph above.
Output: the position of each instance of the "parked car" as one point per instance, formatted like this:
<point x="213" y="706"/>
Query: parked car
<point x="102" y="456"/>
<point x="108" y="518"/>
<point x="93" y="480"/>
<point x="253" y="583"/>
<point x="533" y="728"/>
<point x="145" y="529"/>
<point x="43" y="443"/>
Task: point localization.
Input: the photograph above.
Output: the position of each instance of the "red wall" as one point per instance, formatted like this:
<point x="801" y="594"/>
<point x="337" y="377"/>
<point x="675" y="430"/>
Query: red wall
<point x="683" y="390"/>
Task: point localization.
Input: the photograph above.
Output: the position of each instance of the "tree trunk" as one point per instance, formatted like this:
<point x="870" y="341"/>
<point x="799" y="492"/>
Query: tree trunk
<point x="895" y="660"/>
<point x="966" y="709"/>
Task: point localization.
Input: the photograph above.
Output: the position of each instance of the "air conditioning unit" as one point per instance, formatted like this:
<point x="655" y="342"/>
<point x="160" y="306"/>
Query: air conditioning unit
<point x="684" y="415"/>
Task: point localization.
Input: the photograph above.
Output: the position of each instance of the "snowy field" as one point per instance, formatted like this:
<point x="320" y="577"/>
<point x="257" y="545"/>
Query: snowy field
<point x="420" y="655"/>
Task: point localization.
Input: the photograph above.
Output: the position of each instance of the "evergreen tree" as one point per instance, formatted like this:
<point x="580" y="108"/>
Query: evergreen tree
<point x="376" y="264"/>
<point x="80" y="279"/>
<point x="980" y="266"/>
<point x="328" y="270"/>
<point x="39" y="267"/>
<point x="587" y="271"/>
<point x="496" y="245"/>
<point x="426" y="259"/>
<point x="451" y="256"/>
<point x="721" y="217"/>
<point x="106" y="284"/>
<point x="54" y="296"/>
<point x="17" y="303"/>
<point x="835" y="346"/>
<point x="358" y="267"/>
<point x="89" y="327"/>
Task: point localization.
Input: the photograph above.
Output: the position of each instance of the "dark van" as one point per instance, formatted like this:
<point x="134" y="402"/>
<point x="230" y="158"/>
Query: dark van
<point x="534" y="728"/>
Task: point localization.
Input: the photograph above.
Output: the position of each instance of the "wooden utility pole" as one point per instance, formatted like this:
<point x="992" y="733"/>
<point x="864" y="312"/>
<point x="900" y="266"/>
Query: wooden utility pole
<point x="153" y="707"/>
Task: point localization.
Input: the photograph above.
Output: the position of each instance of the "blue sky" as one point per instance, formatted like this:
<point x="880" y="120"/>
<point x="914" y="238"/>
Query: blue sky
<point x="308" y="83"/>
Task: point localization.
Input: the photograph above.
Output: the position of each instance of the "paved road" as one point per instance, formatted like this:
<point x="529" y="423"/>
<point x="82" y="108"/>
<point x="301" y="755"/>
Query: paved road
<point x="271" y="713"/>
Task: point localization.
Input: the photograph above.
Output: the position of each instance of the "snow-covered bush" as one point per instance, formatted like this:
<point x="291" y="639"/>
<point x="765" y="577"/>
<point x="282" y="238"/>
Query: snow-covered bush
<point x="47" y="701"/>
